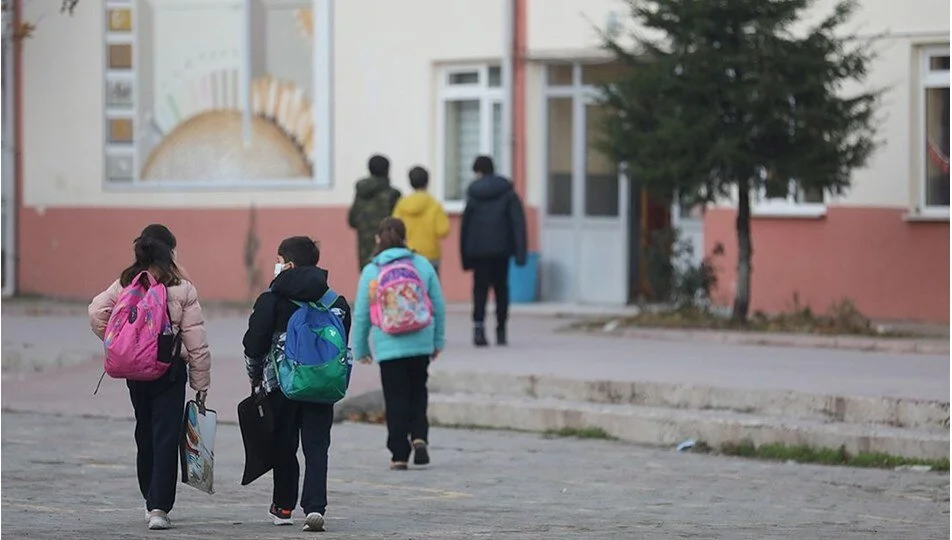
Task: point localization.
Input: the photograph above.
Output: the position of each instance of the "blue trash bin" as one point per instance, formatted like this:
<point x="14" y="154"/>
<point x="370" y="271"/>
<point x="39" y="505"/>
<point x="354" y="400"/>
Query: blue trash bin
<point x="524" y="282"/>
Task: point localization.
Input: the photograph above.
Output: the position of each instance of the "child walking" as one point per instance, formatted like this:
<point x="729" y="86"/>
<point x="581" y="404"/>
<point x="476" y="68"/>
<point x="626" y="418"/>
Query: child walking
<point x="424" y="217"/>
<point x="400" y="309"/>
<point x="298" y="280"/>
<point x="159" y="404"/>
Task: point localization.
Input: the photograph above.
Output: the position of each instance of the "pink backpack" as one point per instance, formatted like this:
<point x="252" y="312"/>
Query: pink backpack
<point x="139" y="318"/>
<point x="399" y="303"/>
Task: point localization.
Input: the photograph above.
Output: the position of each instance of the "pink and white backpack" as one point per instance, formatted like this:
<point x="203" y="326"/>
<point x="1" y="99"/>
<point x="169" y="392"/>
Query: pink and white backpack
<point x="138" y="321"/>
<point x="399" y="303"/>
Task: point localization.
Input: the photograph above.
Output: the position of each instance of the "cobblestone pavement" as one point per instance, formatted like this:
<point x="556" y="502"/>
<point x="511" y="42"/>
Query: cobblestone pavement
<point x="73" y="478"/>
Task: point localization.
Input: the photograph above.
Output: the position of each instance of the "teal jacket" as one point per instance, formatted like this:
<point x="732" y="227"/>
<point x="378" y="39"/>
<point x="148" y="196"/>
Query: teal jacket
<point x="387" y="347"/>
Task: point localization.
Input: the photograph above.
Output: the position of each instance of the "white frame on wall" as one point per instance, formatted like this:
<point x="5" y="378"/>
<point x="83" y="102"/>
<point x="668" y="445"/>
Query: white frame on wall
<point x="928" y="79"/>
<point x="321" y="106"/>
<point x="488" y="97"/>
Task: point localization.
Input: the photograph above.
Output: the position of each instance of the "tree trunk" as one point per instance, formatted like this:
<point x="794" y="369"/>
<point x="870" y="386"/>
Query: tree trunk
<point x="744" y="253"/>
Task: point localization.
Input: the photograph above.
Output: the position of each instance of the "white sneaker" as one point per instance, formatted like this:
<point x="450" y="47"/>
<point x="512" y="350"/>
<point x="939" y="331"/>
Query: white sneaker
<point x="280" y="517"/>
<point x="314" y="522"/>
<point x="159" y="521"/>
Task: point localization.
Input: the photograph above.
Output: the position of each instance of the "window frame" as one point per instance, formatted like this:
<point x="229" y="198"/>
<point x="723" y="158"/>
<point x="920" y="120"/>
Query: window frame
<point x="321" y="103"/>
<point x="928" y="79"/>
<point x="488" y="97"/>
<point x="789" y="206"/>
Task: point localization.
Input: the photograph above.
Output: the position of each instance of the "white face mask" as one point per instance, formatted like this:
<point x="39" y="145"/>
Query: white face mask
<point x="278" y="268"/>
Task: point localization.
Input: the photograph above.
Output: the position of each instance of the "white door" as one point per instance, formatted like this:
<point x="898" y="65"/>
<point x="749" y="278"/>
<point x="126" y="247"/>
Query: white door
<point x="585" y="223"/>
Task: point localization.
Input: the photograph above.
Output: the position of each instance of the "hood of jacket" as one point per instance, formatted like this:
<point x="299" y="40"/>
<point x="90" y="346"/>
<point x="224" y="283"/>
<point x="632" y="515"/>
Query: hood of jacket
<point x="304" y="284"/>
<point x="417" y="203"/>
<point x="489" y="188"/>
<point x="371" y="186"/>
<point x="392" y="254"/>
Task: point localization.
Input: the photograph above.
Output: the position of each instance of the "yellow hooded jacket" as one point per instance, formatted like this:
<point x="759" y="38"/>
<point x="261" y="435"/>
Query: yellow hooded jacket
<point x="426" y="223"/>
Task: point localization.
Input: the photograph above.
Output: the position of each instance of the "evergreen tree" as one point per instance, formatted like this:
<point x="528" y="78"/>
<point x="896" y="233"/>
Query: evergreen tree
<point x="728" y="96"/>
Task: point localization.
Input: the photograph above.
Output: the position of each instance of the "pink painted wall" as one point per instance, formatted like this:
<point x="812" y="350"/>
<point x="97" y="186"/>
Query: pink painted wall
<point x="892" y="269"/>
<point x="74" y="253"/>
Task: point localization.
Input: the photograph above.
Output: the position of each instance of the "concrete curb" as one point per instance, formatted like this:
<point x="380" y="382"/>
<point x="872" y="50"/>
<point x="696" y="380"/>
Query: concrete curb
<point x="667" y="427"/>
<point x="885" y="411"/>
<point x="368" y="403"/>
<point x="858" y="343"/>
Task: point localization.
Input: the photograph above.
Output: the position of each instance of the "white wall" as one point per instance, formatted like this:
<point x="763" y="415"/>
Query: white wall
<point x="385" y="94"/>
<point x="563" y="29"/>
<point x="384" y="58"/>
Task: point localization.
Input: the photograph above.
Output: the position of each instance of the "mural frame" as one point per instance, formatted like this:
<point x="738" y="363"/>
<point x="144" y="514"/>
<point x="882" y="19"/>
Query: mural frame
<point x="116" y="118"/>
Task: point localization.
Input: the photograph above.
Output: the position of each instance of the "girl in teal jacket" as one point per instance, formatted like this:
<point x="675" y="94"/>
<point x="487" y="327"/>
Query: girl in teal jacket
<point x="405" y="358"/>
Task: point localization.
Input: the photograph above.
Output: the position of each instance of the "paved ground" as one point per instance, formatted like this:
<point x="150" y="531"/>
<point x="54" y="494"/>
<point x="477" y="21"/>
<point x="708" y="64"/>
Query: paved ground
<point x="74" y="478"/>
<point x="65" y="340"/>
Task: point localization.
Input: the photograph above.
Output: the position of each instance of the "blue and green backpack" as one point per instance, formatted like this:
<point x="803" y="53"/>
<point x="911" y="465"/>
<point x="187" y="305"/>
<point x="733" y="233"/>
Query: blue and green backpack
<point x="311" y="360"/>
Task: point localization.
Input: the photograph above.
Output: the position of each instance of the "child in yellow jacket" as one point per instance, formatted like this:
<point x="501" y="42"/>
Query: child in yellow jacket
<point x="424" y="217"/>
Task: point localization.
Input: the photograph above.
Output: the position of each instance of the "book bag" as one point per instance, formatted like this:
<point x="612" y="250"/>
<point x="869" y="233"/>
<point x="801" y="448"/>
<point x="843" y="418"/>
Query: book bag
<point x="138" y="322"/>
<point x="399" y="303"/>
<point x="311" y="359"/>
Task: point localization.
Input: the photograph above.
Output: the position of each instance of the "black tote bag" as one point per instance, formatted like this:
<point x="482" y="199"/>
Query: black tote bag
<point x="256" y="420"/>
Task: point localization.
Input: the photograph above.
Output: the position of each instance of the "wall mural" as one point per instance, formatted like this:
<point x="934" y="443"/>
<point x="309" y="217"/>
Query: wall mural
<point x="209" y="91"/>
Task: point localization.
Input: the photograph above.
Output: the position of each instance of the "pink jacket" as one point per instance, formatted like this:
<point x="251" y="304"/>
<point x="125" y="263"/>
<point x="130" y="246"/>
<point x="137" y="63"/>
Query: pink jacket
<point x="186" y="314"/>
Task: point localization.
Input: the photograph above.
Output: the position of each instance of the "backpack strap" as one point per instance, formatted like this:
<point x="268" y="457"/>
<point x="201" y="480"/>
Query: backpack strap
<point x="325" y="301"/>
<point x="329" y="298"/>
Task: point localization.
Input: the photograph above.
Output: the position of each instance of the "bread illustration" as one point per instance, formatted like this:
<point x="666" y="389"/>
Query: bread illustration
<point x="202" y="129"/>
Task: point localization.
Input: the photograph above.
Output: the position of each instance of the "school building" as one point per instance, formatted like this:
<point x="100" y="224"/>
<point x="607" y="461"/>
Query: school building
<point x="240" y="122"/>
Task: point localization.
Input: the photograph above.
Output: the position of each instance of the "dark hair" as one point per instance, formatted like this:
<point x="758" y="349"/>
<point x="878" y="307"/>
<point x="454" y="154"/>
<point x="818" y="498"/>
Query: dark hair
<point x="484" y="165"/>
<point x="153" y="252"/>
<point x="300" y="250"/>
<point x="419" y="178"/>
<point x="390" y="234"/>
<point x="379" y="166"/>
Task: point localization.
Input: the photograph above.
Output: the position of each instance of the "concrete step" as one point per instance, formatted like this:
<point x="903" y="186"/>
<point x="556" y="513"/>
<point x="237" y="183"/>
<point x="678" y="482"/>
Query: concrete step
<point x="885" y="411"/>
<point x="668" y="426"/>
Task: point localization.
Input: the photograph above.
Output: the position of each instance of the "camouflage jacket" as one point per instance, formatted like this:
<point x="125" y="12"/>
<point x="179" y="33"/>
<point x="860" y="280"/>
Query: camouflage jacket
<point x="374" y="200"/>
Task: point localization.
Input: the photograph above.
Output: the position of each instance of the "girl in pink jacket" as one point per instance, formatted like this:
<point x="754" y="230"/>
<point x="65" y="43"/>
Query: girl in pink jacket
<point x="160" y="404"/>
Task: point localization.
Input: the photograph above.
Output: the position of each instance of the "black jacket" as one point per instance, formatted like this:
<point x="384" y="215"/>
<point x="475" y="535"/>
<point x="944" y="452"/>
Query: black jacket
<point x="494" y="223"/>
<point x="274" y="308"/>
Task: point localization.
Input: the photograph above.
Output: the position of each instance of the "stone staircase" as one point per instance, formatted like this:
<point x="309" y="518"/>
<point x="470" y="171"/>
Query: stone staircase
<point x="668" y="414"/>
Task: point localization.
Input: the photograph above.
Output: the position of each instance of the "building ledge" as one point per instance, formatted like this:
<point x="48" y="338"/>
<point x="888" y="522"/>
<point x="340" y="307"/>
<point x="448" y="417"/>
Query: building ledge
<point x="927" y="215"/>
<point x="784" y="210"/>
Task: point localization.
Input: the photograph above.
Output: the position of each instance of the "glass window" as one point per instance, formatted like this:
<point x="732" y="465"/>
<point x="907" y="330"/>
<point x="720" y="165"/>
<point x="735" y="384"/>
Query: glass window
<point x="497" y="132"/>
<point x="215" y="94"/>
<point x="595" y="74"/>
<point x="559" y="198"/>
<point x="495" y="77"/>
<point x="937" y="146"/>
<point x="559" y="74"/>
<point x="465" y="77"/>
<point x="601" y="174"/>
<point x="462" y="145"/>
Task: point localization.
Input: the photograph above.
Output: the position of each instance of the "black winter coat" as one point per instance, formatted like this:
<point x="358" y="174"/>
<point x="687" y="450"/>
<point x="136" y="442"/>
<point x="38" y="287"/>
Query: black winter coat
<point x="494" y="222"/>
<point x="274" y="308"/>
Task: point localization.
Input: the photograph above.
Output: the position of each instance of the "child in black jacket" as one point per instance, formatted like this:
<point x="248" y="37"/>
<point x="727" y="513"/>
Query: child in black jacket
<point x="297" y="277"/>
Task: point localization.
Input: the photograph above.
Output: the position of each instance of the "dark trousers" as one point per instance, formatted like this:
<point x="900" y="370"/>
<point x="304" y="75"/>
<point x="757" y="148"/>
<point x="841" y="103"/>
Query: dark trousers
<point x="159" y="410"/>
<point x="309" y="424"/>
<point x="405" y="396"/>
<point x="491" y="273"/>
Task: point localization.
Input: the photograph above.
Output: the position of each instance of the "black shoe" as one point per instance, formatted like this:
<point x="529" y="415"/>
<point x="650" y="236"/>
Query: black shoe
<point x="421" y="456"/>
<point x="501" y="336"/>
<point x="479" y="337"/>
